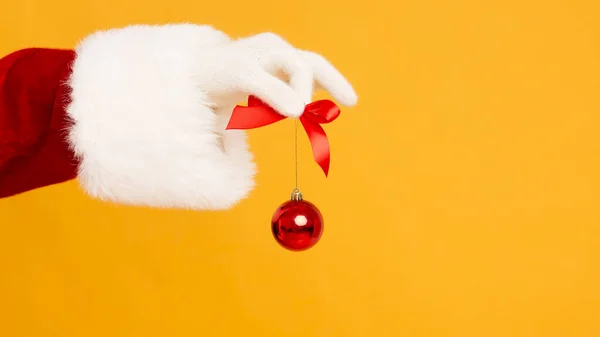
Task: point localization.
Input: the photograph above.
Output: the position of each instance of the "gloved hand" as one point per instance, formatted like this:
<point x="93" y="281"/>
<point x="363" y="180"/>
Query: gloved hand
<point x="268" y="67"/>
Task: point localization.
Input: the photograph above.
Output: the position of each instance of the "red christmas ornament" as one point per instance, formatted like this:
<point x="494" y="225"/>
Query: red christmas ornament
<point x="297" y="224"/>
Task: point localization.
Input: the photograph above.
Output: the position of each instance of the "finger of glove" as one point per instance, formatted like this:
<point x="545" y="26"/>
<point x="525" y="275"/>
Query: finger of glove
<point x="298" y="71"/>
<point x="330" y="79"/>
<point x="274" y="92"/>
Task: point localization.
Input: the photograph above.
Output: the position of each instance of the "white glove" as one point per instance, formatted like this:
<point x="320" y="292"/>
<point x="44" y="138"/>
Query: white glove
<point x="257" y="65"/>
<point x="149" y="106"/>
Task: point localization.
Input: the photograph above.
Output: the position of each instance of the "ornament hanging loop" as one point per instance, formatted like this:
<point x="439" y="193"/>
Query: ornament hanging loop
<point x="296" y="195"/>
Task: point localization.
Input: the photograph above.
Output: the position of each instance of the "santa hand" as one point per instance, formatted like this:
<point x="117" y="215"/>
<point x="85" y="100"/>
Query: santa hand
<point x="268" y="67"/>
<point x="143" y="103"/>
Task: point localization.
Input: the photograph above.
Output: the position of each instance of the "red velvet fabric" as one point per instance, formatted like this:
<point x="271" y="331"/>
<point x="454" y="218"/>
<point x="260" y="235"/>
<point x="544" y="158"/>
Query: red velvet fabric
<point x="33" y="124"/>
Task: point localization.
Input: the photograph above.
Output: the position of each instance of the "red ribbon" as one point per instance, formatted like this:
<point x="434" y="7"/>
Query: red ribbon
<point x="258" y="114"/>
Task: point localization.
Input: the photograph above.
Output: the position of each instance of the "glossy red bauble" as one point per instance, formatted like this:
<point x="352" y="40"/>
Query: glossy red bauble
<point x="297" y="225"/>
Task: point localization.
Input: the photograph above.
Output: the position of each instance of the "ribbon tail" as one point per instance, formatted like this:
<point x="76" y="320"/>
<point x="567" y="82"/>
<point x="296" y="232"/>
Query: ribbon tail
<point x="319" y="143"/>
<point x="252" y="117"/>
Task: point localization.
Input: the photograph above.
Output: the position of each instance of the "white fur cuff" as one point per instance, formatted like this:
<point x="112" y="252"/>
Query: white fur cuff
<point x="144" y="130"/>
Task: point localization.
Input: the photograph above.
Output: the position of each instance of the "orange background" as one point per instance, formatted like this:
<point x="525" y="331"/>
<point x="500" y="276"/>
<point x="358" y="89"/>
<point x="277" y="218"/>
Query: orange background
<point x="463" y="198"/>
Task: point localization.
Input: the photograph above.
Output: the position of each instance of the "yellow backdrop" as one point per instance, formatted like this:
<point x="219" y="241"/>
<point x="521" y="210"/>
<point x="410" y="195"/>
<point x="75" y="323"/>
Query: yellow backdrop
<point x="463" y="198"/>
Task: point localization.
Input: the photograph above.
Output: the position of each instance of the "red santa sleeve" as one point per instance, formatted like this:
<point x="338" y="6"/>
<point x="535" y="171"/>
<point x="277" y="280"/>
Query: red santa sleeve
<point x="33" y="122"/>
<point x="124" y="114"/>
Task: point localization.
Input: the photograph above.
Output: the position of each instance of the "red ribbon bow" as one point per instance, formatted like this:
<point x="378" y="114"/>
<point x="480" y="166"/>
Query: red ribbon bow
<point x="258" y="114"/>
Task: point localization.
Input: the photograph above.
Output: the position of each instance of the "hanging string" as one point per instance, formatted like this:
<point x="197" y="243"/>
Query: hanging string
<point x="296" y="152"/>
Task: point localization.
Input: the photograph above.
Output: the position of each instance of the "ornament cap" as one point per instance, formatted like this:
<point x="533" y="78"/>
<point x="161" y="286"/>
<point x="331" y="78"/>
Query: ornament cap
<point x="296" y="195"/>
